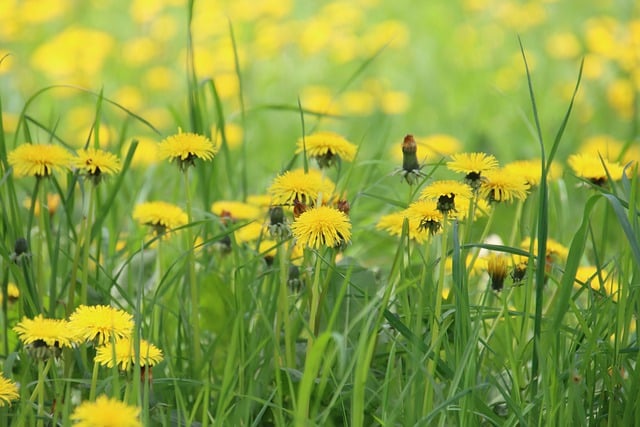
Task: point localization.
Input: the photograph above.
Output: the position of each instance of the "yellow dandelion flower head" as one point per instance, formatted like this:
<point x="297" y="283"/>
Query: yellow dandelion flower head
<point x="322" y="226"/>
<point x="598" y="280"/>
<point x="595" y="169"/>
<point x="162" y="216"/>
<point x="530" y="170"/>
<point x="106" y="412"/>
<point x="97" y="163"/>
<point x="44" y="337"/>
<point x="100" y="323"/>
<point x="185" y="147"/>
<point x="472" y="164"/>
<point x="13" y="293"/>
<point x="298" y="186"/>
<point x="250" y="232"/>
<point x="235" y="210"/>
<point x="146" y="153"/>
<point x="259" y="200"/>
<point x="394" y="222"/>
<point x="481" y="208"/>
<point x="124" y="355"/>
<point x="8" y="391"/>
<point x="500" y="185"/>
<point x="39" y="160"/>
<point x="554" y="248"/>
<point x="327" y="148"/>
<point x="446" y="193"/>
<point x="602" y="145"/>
<point x="53" y="203"/>
<point x="426" y="215"/>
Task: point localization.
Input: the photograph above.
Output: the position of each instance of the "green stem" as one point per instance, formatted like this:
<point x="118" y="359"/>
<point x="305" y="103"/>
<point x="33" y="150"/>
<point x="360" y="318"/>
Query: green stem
<point x="94" y="381"/>
<point x="86" y="245"/>
<point x="314" y="301"/>
<point x="516" y="222"/>
<point x="437" y="312"/>
<point x="191" y="279"/>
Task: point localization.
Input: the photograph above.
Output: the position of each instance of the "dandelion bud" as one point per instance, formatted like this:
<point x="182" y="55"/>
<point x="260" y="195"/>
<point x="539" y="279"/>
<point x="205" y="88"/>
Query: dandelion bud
<point x="409" y="157"/>
<point x="497" y="269"/>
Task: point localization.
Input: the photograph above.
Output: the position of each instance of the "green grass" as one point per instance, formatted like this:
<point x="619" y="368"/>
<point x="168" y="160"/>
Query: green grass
<point x="384" y="332"/>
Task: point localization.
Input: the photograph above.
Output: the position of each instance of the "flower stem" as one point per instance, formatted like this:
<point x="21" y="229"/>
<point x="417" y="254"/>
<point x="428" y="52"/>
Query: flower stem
<point x="191" y="279"/>
<point x="94" y="381"/>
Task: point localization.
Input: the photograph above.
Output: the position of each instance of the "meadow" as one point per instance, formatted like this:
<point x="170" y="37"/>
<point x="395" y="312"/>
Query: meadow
<point x="277" y="212"/>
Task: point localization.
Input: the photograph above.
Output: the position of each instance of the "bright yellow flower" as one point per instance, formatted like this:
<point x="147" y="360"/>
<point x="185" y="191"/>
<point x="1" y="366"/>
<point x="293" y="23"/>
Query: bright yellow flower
<point x="106" y="412"/>
<point x="595" y="169"/>
<point x="186" y="147"/>
<point x="97" y="163"/>
<point x="162" y="216"/>
<point x="473" y="165"/>
<point x="44" y="337"/>
<point x="124" y="354"/>
<point x="392" y="223"/>
<point x="298" y="186"/>
<point x="235" y="210"/>
<point x="500" y="185"/>
<point x="426" y="215"/>
<point x="322" y="226"/>
<point x="13" y="293"/>
<point x="530" y="171"/>
<point x="327" y="148"/>
<point x="445" y="193"/>
<point x="100" y="323"/>
<point x="39" y="160"/>
<point x="8" y="391"/>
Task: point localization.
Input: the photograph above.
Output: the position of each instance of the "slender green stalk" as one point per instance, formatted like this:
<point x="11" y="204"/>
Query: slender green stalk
<point x="192" y="284"/>
<point x="437" y="313"/>
<point x="86" y="244"/>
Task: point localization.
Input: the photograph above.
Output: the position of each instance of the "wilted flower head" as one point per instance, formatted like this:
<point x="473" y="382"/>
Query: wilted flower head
<point x="327" y="148"/>
<point x="185" y="148"/>
<point x="322" y="226"/>
<point x="39" y="160"/>
<point x="497" y="269"/>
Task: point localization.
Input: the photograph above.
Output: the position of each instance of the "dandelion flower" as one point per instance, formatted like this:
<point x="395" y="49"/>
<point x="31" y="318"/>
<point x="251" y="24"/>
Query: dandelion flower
<point x="100" y="323"/>
<point x="502" y="186"/>
<point x="250" y="232"/>
<point x="497" y="269"/>
<point x="97" y="163"/>
<point x="235" y="210"/>
<point x="554" y="248"/>
<point x="595" y="169"/>
<point x="425" y="213"/>
<point x="106" y="412"/>
<point x="530" y="171"/>
<point x="445" y="193"/>
<point x="8" y="391"/>
<point x="298" y="186"/>
<point x="473" y="165"/>
<point x="393" y="224"/>
<point x="185" y="148"/>
<point x="13" y="293"/>
<point x="39" y="160"/>
<point x="124" y="354"/>
<point x="327" y="148"/>
<point x="322" y="226"/>
<point x="161" y="216"/>
<point x="44" y="337"/>
<point x="461" y="213"/>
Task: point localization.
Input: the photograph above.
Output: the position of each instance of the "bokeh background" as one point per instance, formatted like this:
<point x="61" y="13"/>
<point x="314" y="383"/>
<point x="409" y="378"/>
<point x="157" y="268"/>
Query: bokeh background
<point x="385" y="68"/>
